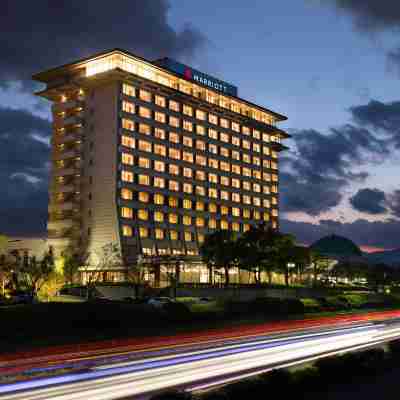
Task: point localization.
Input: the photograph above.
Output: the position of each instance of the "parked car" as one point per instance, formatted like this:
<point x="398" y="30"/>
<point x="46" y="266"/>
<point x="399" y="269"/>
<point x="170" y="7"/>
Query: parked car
<point x="159" y="302"/>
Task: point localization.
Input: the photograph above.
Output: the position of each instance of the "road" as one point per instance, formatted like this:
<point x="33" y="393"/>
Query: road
<point x="198" y="364"/>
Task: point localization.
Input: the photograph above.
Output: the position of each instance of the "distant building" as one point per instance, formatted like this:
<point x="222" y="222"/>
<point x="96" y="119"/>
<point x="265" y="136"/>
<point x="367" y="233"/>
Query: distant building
<point x="34" y="246"/>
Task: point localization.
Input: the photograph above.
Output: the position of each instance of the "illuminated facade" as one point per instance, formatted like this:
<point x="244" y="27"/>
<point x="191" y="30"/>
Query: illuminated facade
<point x="153" y="156"/>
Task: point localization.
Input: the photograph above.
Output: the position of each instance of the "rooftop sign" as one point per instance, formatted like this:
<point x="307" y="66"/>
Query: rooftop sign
<point x="197" y="76"/>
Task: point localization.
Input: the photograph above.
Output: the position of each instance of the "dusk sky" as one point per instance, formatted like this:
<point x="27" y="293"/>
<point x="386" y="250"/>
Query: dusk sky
<point x="331" y="66"/>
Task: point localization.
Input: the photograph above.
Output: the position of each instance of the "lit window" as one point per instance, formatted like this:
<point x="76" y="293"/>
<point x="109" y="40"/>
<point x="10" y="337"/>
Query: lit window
<point x="213" y="163"/>
<point x="187" y="188"/>
<point x="213" y="178"/>
<point x="225" y="166"/>
<point x="187" y="141"/>
<point x="144" y="180"/>
<point x="236" y="169"/>
<point x="256" y="134"/>
<point x="246" y="227"/>
<point x="224" y="195"/>
<point x="128" y="107"/>
<point x="200" y="160"/>
<point x="274" y="189"/>
<point x="213" y="119"/>
<point x="160" y="101"/>
<point x="212" y="223"/>
<point x="159" y="133"/>
<point x="246" y="171"/>
<point x="173" y="169"/>
<point x="187" y="204"/>
<point x="236" y="183"/>
<point x="213" y="134"/>
<point x="173" y="121"/>
<point x="200" y="175"/>
<point x="199" y="222"/>
<point x="225" y="181"/>
<point x="224" y="123"/>
<point x="173" y="235"/>
<point x="144" y="95"/>
<point x="187" y="125"/>
<point x="144" y="162"/>
<point x="126" y="194"/>
<point x="128" y="142"/>
<point x="126" y="230"/>
<point x="257" y="201"/>
<point x="159" y="166"/>
<point x="173" y="218"/>
<point x="160" y="150"/>
<point x="158" y="216"/>
<point x="159" y="182"/>
<point x="199" y="206"/>
<point x="246" y="213"/>
<point x="127" y="176"/>
<point x="200" y="115"/>
<point x="256" y="174"/>
<point x="126" y="212"/>
<point x="128" y="90"/>
<point x="246" y="185"/>
<point x="246" y="130"/>
<point x="246" y="199"/>
<point x="266" y="189"/>
<point x="265" y="137"/>
<point x="265" y="216"/>
<point x="266" y="150"/>
<point x="159" y="234"/>
<point x="235" y="141"/>
<point x="188" y="157"/>
<point x="127" y="158"/>
<point x="274" y="165"/>
<point x="187" y="172"/>
<point x="173" y="202"/>
<point x="128" y="124"/>
<point x="158" y="199"/>
<point x="200" y="238"/>
<point x="236" y="197"/>
<point x="200" y="145"/>
<point x="143" y="232"/>
<point x="187" y="110"/>
<point x="256" y="161"/>
<point x="174" y="153"/>
<point x="274" y="225"/>
<point x="188" y="236"/>
<point x="235" y="127"/>
<point x="246" y="158"/>
<point x="212" y="148"/>
<point x="160" y="117"/>
<point x="144" y="112"/>
<point x="236" y="211"/>
<point x="143" y="214"/>
<point x="266" y="163"/>
<point x="212" y="207"/>
<point x="144" y="129"/>
<point x="256" y="215"/>
<point x="246" y="144"/>
<point x="266" y="203"/>
<point x="224" y="152"/>
<point x="235" y="227"/>
<point x="200" y="191"/>
<point x="173" y="137"/>
<point x="144" y="146"/>
<point x="256" y="147"/>
<point x="224" y="210"/>
<point x="224" y="224"/>
<point x="173" y="185"/>
<point x="174" y="105"/>
<point x="213" y="193"/>
<point x="200" y="130"/>
<point x="143" y="197"/>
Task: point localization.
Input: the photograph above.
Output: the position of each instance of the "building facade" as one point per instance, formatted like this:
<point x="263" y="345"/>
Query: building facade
<point x="152" y="156"/>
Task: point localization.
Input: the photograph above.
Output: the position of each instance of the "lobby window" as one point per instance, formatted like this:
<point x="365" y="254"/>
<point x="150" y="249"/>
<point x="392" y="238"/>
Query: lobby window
<point x="173" y="218"/>
<point x="200" y="115"/>
<point x="200" y="238"/>
<point x="187" y="188"/>
<point x="143" y="197"/>
<point x="128" y="142"/>
<point x="224" y="123"/>
<point x="200" y="145"/>
<point x="144" y="146"/>
<point x="173" y="169"/>
<point x="200" y="130"/>
<point x="159" y="182"/>
<point x="212" y="208"/>
<point x="187" y="204"/>
<point x="188" y="236"/>
<point x="158" y="199"/>
<point x="213" y="134"/>
<point x="174" y="153"/>
<point x="159" y="234"/>
<point x="159" y="166"/>
<point x="128" y="124"/>
<point x="235" y="127"/>
<point x="144" y="95"/>
<point x="213" y="178"/>
<point x="235" y="227"/>
<point x="160" y="101"/>
<point x="174" y="105"/>
<point x="126" y="194"/>
<point x="160" y="150"/>
<point x="174" y="186"/>
<point x="144" y="162"/>
<point x="127" y="158"/>
<point x="126" y="212"/>
<point x="188" y="157"/>
<point x="173" y="137"/>
<point x="128" y="107"/>
<point x="158" y="216"/>
<point x="200" y="175"/>
<point x="143" y="214"/>
<point x="127" y="176"/>
<point x="173" y="235"/>
<point x="173" y="202"/>
<point x="199" y="206"/>
<point x="201" y="160"/>
<point x="144" y="180"/>
<point x="159" y="133"/>
<point x="173" y="121"/>
<point x="144" y="129"/>
<point x="144" y="112"/>
<point x="236" y="211"/>
<point x="224" y="224"/>
<point x="200" y="191"/>
<point x="246" y="227"/>
<point x="129" y="90"/>
<point x="160" y="117"/>
<point x="212" y="148"/>
<point x="187" y="110"/>
<point x="212" y="223"/>
<point x="187" y="172"/>
<point x="235" y="141"/>
<point x="187" y="125"/>
<point x="187" y="141"/>
<point x="127" y="230"/>
<point x="213" y="193"/>
<point x="143" y="232"/>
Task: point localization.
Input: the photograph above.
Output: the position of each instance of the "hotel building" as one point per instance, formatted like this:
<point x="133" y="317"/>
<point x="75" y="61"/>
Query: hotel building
<point x="152" y="156"/>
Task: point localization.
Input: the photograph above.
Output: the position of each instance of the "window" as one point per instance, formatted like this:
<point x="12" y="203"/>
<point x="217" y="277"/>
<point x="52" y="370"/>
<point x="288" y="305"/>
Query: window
<point x="265" y="137"/>
<point x="235" y="127"/>
<point x="236" y="211"/>
<point x="200" y="115"/>
<point x="266" y="150"/>
<point x="174" y="105"/>
<point x="246" y="199"/>
<point x="246" y="130"/>
<point x="200" y="160"/>
<point x="256" y="215"/>
<point x="160" y="101"/>
<point x="127" y="158"/>
<point x="173" y="169"/>
<point x="266" y="189"/>
<point x="174" y="185"/>
<point x="187" y="204"/>
<point x="235" y="141"/>
<point x="143" y="197"/>
<point x="159" y="166"/>
<point x="158" y="199"/>
<point x="143" y="214"/>
<point x="213" y="178"/>
<point x="144" y="162"/>
<point x="200" y="238"/>
<point x="160" y="117"/>
<point x="213" y="119"/>
<point x="144" y="129"/>
<point x="246" y="213"/>
<point x="256" y="161"/>
<point x="256" y="147"/>
<point x="224" y="210"/>
<point x="224" y="224"/>
<point x="246" y="227"/>
<point x="235" y="226"/>
<point x="159" y="182"/>
<point x="265" y="216"/>
<point x="212" y="148"/>
<point x="159" y="133"/>
<point x="213" y="163"/>
<point x="200" y="175"/>
<point x="173" y="202"/>
<point x="213" y="134"/>
<point x="266" y="163"/>
<point x="256" y="187"/>
<point x="256" y="174"/>
<point x="199" y="222"/>
<point x="213" y="193"/>
<point x="158" y="216"/>
<point x="126" y="194"/>
<point x="257" y="201"/>
<point x="256" y="134"/>
<point x="143" y="232"/>
<point x="187" y="125"/>
<point x="188" y="157"/>
<point x="212" y="207"/>
<point x="128" y="90"/>
<point x="160" y="149"/>
<point x="127" y="176"/>
<point x="266" y="203"/>
<point x="200" y="130"/>
<point x="126" y="230"/>
<point x="224" y="123"/>
<point x="246" y="144"/>
<point x="187" y="188"/>
<point x="199" y="206"/>
<point x="128" y="124"/>
<point x="246" y="185"/>
<point x="224" y="166"/>
<point x="144" y="146"/>
<point x="144" y="180"/>
<point x="236" y="183"/>
<point x="236" y="197"/>
<point x="144" y="95"/>
<point x="236" y="169"/>
<point x="144" y="112"/>
<point x="246" y="171"/>
<point x="173" y="121"/>
<point x="126" y="212"/>
<point x="224" y="152"/>
<point x="173" y="218"/>
<point x="224" y="195"/>
<point x="266" y="177"/>
<point x="200" y="191"/>
<point x="212" y="223"/>
<point x="225" y="181"/>
<point x="187" y="172"/>
<point x="173" y="137"/>
<point x="200" y="145"/>
<point x="174" y="153"/>
<point x="128" y="107"/>
<point x="187" y="141"/>
<point x="159" y="234"/>
<point x="173" y="235"/>
<point x="246" y="158"/>
<point x="187" y="110"/>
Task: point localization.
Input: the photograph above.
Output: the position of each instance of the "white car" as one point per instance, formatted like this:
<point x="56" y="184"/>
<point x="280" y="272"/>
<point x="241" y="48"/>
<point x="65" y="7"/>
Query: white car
<point x="159" y="302"/>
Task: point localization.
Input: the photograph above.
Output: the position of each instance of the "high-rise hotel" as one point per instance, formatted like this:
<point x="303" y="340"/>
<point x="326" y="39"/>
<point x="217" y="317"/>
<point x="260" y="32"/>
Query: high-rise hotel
<point x="152" y="156"/>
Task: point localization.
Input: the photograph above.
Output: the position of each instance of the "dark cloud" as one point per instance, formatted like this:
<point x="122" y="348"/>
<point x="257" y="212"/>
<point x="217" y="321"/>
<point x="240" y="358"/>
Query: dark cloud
<point x="43" y="33"/>
<point x="23" y="172"/>
<point x="370" y="201"/>
<point x="384" y="234"/>
<point x="394" y="203"/>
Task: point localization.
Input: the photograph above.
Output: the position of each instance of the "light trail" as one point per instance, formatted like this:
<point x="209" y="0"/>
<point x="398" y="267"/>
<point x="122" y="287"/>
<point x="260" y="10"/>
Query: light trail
<point x="198" y="369"/>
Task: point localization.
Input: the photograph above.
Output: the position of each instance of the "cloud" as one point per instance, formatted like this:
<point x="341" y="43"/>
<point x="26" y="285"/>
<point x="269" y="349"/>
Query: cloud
<point x="40" y="34"/>
<point x="370" y="201"/>
<point x="394" y="203"/>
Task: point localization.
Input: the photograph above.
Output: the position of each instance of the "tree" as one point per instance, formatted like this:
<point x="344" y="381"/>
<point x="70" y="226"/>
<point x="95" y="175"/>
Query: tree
<point x="220" y="250"/>
<point x="319" y="264"/>
<point x="283" y="253"/>
<point x="71" y="262"/>
<point x="5" y="269"/>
